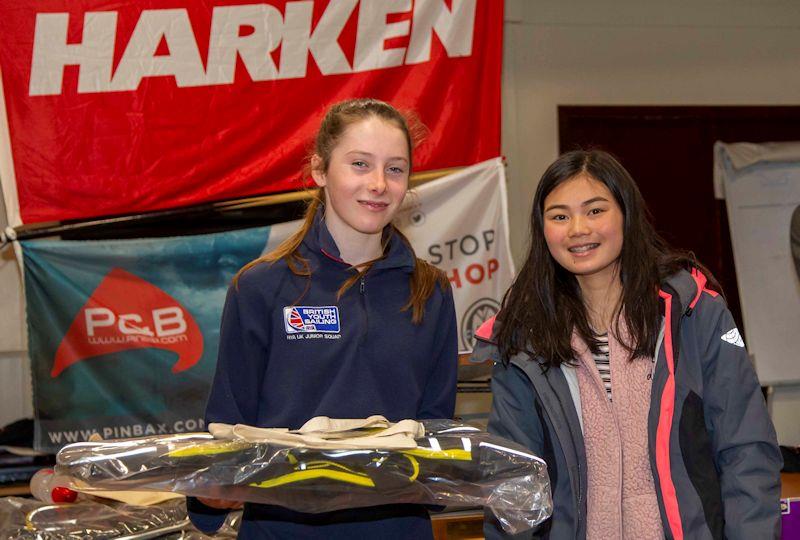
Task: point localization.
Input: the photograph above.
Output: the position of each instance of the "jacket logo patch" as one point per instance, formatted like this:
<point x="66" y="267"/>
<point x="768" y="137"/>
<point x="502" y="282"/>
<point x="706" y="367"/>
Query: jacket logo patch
<point x="305" y="319"/>
<point x="733" y="338"/>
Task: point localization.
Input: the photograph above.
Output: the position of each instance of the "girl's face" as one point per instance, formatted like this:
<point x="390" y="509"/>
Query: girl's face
<point x="583" y="227"/>
<point x="367" y="178"/>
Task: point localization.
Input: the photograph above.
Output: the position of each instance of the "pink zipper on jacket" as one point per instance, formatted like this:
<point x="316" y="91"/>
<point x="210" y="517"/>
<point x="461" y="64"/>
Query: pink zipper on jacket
<point x="664" y="428"/>
<point x="667" y="409"/>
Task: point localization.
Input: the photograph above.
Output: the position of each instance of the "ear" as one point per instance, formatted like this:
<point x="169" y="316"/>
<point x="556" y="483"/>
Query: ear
<point x="317" y="172"/>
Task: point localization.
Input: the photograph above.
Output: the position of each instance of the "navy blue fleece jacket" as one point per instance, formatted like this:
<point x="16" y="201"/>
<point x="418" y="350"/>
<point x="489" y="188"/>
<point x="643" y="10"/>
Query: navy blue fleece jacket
<point x="290" y="350"/>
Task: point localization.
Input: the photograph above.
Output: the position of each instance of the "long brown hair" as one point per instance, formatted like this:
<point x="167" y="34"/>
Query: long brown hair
<point x="339" y="117"/>
<point x="544" y="305"/>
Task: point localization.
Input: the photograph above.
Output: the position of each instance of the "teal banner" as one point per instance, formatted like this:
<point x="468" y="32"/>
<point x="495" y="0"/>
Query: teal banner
<point x="123" y="334"/>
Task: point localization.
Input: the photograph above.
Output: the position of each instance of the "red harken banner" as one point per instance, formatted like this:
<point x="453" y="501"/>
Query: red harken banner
<point x="131" y="106"/>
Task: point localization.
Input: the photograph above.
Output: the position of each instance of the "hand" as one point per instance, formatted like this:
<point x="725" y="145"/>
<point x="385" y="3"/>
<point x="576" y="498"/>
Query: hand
<point x="221" y="504"/>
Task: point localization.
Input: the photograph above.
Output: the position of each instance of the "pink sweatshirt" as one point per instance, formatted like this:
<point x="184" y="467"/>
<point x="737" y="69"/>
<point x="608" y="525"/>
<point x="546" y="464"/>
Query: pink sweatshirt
<point x="621" y="495"/>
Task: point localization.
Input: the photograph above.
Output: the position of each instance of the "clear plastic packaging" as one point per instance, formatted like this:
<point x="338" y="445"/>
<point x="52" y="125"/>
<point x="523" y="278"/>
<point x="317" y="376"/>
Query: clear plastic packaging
<point x="453" y="465"/>
<point x="28" y="519"/>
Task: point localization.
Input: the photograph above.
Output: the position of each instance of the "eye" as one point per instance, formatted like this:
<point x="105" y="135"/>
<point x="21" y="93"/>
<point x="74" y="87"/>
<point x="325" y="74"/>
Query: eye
<point x="558" y="217"/>
<point x="359" y="163"/>
<point x="596" y="211"/>
<point x="396" y="170"/>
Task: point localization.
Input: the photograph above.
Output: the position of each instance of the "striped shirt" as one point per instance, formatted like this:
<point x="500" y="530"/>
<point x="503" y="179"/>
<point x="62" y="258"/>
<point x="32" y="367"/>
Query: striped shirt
<point x="603" y="363"/>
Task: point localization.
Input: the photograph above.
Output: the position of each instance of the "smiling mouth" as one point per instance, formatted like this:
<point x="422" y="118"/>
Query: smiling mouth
<point x="374" y="205"/>
<point x="583" y="248"/>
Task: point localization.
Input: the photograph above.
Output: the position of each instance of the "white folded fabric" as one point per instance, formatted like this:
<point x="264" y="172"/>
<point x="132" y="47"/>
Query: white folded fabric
<point x="137" y="498"/>
<point x="326" y="433"/>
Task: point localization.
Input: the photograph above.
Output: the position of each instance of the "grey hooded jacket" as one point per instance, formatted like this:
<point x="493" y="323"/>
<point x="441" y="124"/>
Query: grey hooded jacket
<point x="713" y="451"/>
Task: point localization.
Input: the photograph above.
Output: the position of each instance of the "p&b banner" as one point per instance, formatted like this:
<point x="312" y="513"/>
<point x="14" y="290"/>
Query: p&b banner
<point x="123" y="334"/>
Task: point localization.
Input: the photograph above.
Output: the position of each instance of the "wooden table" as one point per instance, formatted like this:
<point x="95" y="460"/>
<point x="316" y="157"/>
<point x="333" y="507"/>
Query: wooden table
<point x="15" y="490"/>
<point x="790" y="485"/>
<point x="462" y="525"/>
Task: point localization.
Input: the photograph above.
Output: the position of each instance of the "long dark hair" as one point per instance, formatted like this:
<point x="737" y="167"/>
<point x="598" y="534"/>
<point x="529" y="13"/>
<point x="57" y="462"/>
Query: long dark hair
<point x="338" y="118"/>
<point x="544" y="305"/>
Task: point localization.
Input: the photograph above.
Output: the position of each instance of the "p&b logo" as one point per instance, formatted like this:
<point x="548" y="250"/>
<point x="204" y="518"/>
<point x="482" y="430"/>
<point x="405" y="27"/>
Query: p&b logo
<point x="126" y="312"/>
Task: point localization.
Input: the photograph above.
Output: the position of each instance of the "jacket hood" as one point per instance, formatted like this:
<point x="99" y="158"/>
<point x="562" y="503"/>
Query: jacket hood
<point x="686" y="286"/>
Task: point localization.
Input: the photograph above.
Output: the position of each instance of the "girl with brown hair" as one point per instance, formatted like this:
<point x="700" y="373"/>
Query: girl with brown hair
<point x="341" y="320"/>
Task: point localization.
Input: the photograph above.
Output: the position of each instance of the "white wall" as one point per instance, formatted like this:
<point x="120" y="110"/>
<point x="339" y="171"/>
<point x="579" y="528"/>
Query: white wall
<point x="584" y="52"/>
<point x="639" y="52"/>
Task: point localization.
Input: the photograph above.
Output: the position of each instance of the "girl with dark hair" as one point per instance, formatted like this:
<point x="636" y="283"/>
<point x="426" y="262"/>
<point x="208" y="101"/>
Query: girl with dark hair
<point x="619" y="363"/>
<point x="387" y="344"/>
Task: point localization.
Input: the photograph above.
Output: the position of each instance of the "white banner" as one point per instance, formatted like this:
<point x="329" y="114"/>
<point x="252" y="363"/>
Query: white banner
<point x="762" y="189"/>
<point x="459" y="223"/>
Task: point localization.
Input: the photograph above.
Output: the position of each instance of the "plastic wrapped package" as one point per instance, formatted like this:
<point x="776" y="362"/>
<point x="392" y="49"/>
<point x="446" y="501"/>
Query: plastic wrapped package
<point x="452" y="465"/>
<point x="28" y="519"/>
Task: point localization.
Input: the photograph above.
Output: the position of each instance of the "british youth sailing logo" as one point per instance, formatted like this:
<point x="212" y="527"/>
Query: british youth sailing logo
<point x="126" y="312"/>
<point x="301" y="319"/>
